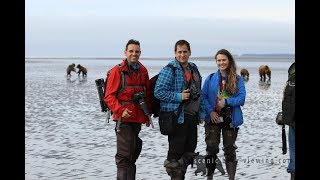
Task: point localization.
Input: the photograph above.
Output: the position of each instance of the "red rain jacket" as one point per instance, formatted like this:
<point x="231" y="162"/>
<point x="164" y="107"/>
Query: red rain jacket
<point x="115" y="98"/>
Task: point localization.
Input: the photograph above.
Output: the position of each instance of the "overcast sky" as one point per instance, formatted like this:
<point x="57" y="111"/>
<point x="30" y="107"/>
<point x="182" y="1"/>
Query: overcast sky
<point x="101" y="28"/>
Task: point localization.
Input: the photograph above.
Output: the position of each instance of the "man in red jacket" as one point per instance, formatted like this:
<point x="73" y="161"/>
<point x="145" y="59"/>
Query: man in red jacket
<point x="128" y="97"/>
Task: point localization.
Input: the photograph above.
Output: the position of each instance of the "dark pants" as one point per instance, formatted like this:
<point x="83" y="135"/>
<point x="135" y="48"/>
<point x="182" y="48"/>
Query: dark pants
<point x="184" y="139"/>
<point x="229" y="136"/>
<point x="182" y="145"/>
<point x="129" y="146"/>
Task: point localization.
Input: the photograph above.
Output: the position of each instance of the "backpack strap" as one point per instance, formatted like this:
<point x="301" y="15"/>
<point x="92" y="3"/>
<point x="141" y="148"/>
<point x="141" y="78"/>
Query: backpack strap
<point x="211" y="75"/>
<point x="172" y="67"/>
<point x="181" y="104"/>
<point x="194" y="67"/>
<point x="123" y="78"/>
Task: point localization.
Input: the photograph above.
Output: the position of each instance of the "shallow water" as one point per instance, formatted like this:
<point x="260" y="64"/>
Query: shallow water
<point x="67" y="136"/>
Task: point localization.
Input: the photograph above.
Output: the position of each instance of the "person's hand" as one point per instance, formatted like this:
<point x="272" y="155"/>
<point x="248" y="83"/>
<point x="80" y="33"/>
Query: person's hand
<point x="214" y="117"/>
<point x="185" y="94"/>
<point x="126" y="114"/>
<point x="222" y="103"/>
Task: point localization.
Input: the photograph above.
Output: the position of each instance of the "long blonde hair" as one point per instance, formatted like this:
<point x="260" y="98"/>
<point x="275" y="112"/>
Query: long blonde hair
<point x="232" y="78"/>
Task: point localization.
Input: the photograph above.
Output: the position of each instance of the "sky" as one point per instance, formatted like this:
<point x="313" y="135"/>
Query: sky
<point x="101" y="28"/>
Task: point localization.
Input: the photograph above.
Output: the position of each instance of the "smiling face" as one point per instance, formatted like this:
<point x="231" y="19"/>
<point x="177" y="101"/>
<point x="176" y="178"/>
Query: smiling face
<point x="132" y="53"/>
<point x="222" y="62"/>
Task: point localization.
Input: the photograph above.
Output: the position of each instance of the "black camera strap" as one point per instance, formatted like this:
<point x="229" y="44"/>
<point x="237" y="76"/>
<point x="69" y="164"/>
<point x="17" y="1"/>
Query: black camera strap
<point x="284" y="140"/>
<point x="192" y="78"/>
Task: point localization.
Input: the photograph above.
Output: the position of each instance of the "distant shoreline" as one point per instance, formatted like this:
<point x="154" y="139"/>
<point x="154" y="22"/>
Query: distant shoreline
<point x="237" y="58"/>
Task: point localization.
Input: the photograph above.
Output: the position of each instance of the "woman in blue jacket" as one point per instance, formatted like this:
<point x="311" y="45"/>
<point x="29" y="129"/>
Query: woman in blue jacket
<point x="223" y="93"/>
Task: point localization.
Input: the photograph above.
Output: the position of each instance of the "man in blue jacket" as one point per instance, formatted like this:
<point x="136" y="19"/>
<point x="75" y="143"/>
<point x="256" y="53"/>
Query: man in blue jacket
<point x="173" y="88"/>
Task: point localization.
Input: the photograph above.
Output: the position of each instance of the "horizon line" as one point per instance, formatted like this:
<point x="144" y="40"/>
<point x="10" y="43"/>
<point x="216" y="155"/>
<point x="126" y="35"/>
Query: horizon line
<point x="278" y="55"/>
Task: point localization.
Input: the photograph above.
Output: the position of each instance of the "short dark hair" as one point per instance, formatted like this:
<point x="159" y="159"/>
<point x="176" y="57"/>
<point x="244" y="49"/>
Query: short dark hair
<point x="180" y="43"/>
<point x="132" y="41"/>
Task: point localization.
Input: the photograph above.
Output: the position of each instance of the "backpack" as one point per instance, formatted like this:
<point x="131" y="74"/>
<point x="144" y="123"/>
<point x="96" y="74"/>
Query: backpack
<point x="288" y="101"/>
<point x="211" y="75"/>
<point x="155" y="102"/>
<point x="101" y="85"/>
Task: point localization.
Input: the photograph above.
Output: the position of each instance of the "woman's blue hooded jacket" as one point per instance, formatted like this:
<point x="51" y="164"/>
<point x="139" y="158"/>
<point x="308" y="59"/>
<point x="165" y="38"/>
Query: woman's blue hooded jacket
<point x="209" y="94"/>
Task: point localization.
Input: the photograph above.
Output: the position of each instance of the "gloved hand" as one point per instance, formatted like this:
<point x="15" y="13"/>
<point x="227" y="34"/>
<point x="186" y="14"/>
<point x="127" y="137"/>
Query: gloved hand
<point x="222" y="103"/>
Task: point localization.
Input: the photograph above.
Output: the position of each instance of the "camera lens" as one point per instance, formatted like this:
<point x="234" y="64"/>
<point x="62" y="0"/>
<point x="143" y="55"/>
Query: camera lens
<point x="144" y="106"/>
<point x="227" y="114"/>
<point x="195" y="95"/>
<point x="139" y="98"/>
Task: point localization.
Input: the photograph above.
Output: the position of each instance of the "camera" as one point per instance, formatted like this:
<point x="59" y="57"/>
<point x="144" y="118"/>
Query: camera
<point x="194" y="92"/>
<point x="227" y="114"/>
<point x="140" y="98"/>
<point x="279" y="119"/>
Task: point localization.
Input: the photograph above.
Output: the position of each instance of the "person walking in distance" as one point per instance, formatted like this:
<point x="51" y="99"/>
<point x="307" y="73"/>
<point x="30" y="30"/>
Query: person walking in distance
<point x="123" y="96"/>
<point x="223" y="93"/>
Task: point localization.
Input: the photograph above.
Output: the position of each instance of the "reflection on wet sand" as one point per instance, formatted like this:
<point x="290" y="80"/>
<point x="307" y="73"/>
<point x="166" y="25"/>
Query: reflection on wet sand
<point x="264" y="84"/>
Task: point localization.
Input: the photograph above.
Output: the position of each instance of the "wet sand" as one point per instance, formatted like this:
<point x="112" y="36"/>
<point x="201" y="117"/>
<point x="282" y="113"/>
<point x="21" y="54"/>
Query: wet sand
<point x="67" y="136"/>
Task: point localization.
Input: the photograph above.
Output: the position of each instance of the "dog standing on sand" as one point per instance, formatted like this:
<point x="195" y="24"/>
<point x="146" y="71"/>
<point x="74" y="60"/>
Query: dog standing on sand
<point x="70" y="68"/>
<point x="82" y="70"/>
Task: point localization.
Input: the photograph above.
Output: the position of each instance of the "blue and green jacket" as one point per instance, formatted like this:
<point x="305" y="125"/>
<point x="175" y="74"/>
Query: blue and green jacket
<point x="169" y="87"/>
<point x="209" y="94"/>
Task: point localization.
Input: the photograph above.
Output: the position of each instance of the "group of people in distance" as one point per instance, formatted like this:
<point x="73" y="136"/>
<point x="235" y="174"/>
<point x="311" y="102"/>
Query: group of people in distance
<point x="217" y="103"/>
